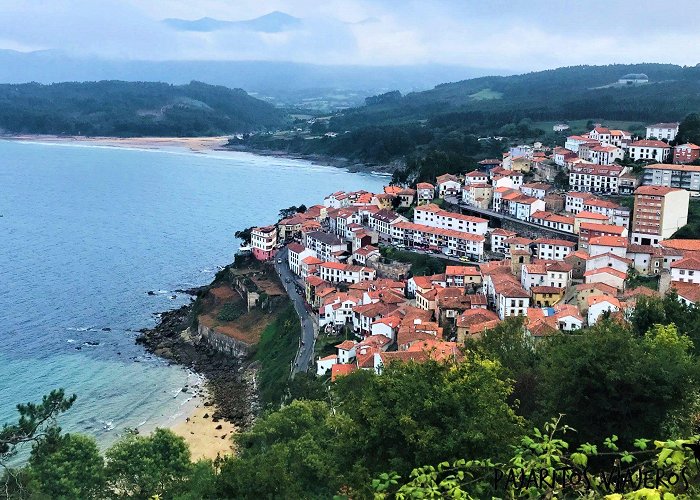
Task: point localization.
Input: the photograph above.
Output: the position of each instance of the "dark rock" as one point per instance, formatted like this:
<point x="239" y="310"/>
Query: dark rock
<point x="151" y="292"/>
<point x="219" y="427"/>
<point x="106" y="329"/>
<point x="206" y="415"/>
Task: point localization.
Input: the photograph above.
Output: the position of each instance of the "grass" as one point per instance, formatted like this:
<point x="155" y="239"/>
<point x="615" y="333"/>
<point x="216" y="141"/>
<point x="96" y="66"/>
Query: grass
<point x="579" y="126"/>
<point x="485" y="95"/>
<point x="275" y="352"/>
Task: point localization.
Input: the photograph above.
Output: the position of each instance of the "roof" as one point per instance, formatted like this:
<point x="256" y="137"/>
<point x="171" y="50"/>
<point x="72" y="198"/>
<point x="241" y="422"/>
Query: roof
<point x="411" y="226"/>
<point x="346" y="345"/>
<point x="554" y="241"/>
<point x="339" y="370"/>
<point x="311" y="260"/>
<point x="687" y="263"/>
<point x="668" y="166"/>
<point x="547" y="289"/>
<point x="473" y="317"/>
<point x="603" y="228"/>
<point x="295" y="247"/>
<point x="602" y="287"/>
<point x="663" y="125"/>
<point x="608" y="270"/>
<point x="585" y="214"/>
<point x="655" y="190"/>
<point x="327" y="238"/>
<point x="462" y="271"/>
<point x="689" y="291"/>
<point x="681" y="244"/>
<point x="650" y="143"/>
<point x="431" y="207"/>
<point x="505" y="232"/>
<point x="424" y="185"/>
<point x="609" y="241"/>
<point x="597" y="299"/>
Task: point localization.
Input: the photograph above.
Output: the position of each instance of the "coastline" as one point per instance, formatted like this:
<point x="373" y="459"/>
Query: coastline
<point x="199" y="145"/>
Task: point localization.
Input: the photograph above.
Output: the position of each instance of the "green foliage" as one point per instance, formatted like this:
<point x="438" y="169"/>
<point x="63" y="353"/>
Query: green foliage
<point x="231" y="311"/>
<point x="66" y="467"/>
<point x="114" y="108"/>
<point x="667" y="310"/>
<point x="35" y="421"/>
<point x="607" y="380"/>
<point x="421" y="264"/>
<point x="689" y="129"/>
<point x="144" y="466"/>
<point x="275" y="352"/>
<point x="244" y="234"/>
<point x="539" y="463"/>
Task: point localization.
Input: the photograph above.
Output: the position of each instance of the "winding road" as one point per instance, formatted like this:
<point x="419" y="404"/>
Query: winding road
<point x="305" y="355"/>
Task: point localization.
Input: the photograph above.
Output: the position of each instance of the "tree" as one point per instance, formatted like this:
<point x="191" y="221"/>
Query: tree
<point x="144" y="466"/>
<point x="66" y="466"/>
<point x="608" y="381"/>
<point x="285" y="213"/>
<point x="244" y="234"/>
<point x="689" y="129"/>
<point x="35" y="420"/>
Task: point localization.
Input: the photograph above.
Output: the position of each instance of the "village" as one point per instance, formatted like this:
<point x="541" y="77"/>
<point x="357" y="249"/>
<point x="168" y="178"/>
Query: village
<point x="569" y="258"/>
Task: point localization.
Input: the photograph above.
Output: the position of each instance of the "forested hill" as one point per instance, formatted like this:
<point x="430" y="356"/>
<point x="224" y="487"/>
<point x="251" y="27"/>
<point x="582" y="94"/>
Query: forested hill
<point x="116" y="108"/>
<point x="575" y="92"/>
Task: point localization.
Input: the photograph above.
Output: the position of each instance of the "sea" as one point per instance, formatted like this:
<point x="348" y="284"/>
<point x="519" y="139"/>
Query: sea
<point x="87" y="231"/>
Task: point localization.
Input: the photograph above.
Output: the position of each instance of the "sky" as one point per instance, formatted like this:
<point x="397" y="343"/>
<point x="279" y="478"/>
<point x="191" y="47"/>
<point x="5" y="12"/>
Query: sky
<point x="508" y="34"/>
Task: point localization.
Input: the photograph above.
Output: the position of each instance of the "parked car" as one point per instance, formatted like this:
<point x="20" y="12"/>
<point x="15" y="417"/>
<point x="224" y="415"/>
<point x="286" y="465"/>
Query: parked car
<point x="279" y="261"/>
<point x="464" y="259"/>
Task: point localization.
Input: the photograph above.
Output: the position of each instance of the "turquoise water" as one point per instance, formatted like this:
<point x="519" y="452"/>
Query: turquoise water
<point x="86" y="231"/>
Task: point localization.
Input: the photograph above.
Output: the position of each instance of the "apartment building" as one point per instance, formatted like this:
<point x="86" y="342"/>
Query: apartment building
<point x="447" y="240"/>
<point x="676" y="176"/>
<point x="328" y="247"/>
<point x="594" y="178"/>
<point x="434" y="216"/>
<point x="649" y="150"/>
<point x="659" y="212"/>
<point x="686" y="153"/>
<point x="666" y="131"/>
<point x="263" y="241"/>
<point x="335" y="272"/>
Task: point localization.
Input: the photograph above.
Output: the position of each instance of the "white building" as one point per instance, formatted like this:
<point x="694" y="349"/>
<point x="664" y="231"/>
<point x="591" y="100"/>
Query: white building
<point x="326" y="246"/>
<point x="598" y="304"/>
<point x="677" y="176"/>
<point x="660" y="131"/>
<point x="433" y="216"/>
<point x="536" y="189"/>
<point x="553" y="249"/>
<point x="606" y="155"/>
<point x="649" y="150"/>
<point x="686" y="270"/>
<point x="596" y="178"/>
<point x="335" y="272"/>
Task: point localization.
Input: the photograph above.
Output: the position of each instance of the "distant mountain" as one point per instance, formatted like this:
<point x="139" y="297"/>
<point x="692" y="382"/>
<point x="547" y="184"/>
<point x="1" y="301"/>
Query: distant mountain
<point x="115" y="108"/>
<point x="274" y="22"/>
<point x="283" y="83"/>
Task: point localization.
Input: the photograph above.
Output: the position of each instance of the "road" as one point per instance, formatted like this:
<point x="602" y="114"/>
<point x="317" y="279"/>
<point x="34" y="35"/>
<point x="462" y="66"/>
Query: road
<point x="492" y="213"/>
<point x="305" y="355"/>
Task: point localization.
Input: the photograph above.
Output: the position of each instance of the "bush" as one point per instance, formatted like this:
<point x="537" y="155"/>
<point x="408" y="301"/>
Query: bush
<point x="231" y="311"/>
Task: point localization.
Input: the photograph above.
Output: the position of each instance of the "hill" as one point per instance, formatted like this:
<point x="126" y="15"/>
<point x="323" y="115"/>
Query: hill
<point x="116" y="108"/>
<point x="569" y="93"/>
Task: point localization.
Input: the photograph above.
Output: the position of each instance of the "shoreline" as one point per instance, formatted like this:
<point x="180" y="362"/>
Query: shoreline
<point x="199" y="145"/>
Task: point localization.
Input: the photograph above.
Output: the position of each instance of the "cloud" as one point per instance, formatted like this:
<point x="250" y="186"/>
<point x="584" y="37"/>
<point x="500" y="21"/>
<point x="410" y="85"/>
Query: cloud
<point x="513" y="34"/>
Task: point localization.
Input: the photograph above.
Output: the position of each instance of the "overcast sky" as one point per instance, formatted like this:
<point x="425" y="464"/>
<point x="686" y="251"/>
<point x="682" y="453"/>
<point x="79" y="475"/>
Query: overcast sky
<point x="509" y="34"/>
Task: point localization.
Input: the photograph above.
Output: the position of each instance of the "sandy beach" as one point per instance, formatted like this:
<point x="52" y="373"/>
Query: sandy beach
<point x="191" y="143"/>
<point x="206" y="438"/>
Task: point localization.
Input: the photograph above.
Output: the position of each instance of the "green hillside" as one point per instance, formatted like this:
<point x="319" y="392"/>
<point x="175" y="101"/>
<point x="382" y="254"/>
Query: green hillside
<point x="116" y="108"/>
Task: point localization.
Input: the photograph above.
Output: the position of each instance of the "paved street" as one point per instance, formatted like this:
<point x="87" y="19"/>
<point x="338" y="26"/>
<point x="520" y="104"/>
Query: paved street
<point x="309" y="328"/>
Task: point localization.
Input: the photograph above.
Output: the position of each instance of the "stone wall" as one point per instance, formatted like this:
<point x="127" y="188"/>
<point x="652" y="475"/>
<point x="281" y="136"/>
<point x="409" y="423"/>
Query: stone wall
<point x="224" y="344"/>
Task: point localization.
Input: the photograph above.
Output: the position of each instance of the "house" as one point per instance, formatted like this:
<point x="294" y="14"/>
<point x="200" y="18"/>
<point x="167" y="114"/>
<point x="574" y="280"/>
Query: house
<point x="646" y="259"/>
<point x="594" y="178"/>
<point x="328" y="247"/>
<point x="448" y="185"/>
<point x="675" y="176"/>
<point x="599" y="305"/>
<point x="560" y="127"/>
<point x="336" y="200"/>
<point x="600" y="134"/>
<point x="536" y="189"/>
<point x="381" y="222"/>
<point x="633" y="79"/>
<point x="523" y="207"/>
<point x="263" y="241"/>
<point x="658" y="213"/>
<point x="476" y="177"/>
<point x="574" y="201"/>
<point x="511" y="299"/>
<point x="553" y="249"/>
<point x="290" y="228"/>
<point x="324" y="365"/>
<point x="335" y="272"/>
<point x="586" y="290"/>
<point x="589" y="230"/>
<point x="365" y="254"/>
<point x="686" y="153"/>
<point x="688" y="293"/>
<point x="599" y="245"/>
<point x="607" y="276"/>
<point x="606" y="155"/>
<point x="659" y="131"/>
<point x="616" y="214"/>
<point x="607" y="261"/>
<point x="649" y="150"/>
<point x="446" y="240"/>
<point x="686" y="270"/>
<point x="628" y="183"/>
<point x="546" y="296"/>
<point x="577" y="261"/>
<point x="472" y="323"/>
<point x="433" y="216"/>
<point x="295" y="254"/>
<point x="571" y="145"/>
<point x="589" y="217"/>
<point x="461" y="276"/>
<point x="425" y="192"/>
<point x="498" y="238"/>
<point x="478" y="195"/>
